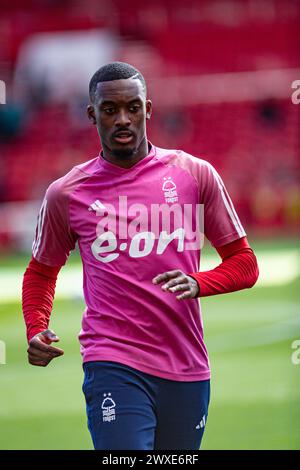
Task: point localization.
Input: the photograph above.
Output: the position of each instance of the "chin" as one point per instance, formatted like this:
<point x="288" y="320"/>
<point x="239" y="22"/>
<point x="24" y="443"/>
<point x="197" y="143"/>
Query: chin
<point x="126" y="152"/>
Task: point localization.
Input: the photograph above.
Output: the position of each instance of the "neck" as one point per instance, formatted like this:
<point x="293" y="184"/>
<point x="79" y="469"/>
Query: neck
<point x="127" y="161"/>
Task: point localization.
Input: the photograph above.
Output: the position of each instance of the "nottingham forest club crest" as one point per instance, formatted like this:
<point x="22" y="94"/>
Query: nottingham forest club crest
<point x="108" y="408"/>
<point x="169" y="189"/>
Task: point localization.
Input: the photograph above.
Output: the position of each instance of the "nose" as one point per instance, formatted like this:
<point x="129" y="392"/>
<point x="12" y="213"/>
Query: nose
<point x="122" y="119"/>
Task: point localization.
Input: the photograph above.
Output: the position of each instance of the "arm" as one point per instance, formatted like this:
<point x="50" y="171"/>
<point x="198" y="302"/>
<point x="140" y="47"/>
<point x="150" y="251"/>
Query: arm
<point x="54" y="239"/>
<point x="38" y="290"/>
<point x="238" y="270"/>
<point x="37" y="299"/>
<point x="225" y="232"/>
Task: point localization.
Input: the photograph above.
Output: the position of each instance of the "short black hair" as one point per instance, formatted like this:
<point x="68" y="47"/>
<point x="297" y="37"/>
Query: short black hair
<point x="114" y="71"/>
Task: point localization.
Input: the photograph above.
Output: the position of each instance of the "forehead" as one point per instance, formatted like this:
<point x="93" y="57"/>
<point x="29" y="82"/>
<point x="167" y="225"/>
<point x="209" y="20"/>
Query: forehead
<point x="120" y="90"/>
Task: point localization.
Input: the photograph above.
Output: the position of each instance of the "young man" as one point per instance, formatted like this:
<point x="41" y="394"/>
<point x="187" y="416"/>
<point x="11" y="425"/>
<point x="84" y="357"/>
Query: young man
<point x="134" y="211"/>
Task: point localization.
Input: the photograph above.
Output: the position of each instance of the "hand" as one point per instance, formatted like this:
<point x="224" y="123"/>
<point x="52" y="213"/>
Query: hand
<point x="40" y="353"/>
<point x="178" y="281"/>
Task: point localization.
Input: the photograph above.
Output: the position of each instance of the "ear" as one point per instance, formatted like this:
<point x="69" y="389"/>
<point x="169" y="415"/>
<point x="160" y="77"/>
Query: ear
<point x="91" y="114"/>
<point x="148" y="109"/>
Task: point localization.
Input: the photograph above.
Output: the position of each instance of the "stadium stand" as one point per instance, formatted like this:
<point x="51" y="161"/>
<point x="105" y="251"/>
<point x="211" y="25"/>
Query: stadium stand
<point x="254" y="143"/>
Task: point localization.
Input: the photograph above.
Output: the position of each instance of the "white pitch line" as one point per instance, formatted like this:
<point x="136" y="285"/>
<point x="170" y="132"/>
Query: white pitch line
<point x="254" y="337"/>
<point x="276" y="269"/>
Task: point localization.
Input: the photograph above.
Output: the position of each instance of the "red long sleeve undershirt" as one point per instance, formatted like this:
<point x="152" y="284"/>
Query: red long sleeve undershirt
<point x="237" y="271"/>
<point x="38" y="290"/>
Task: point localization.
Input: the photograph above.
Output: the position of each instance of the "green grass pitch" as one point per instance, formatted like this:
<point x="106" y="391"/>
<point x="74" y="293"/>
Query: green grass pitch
<point x="255" y="386"/>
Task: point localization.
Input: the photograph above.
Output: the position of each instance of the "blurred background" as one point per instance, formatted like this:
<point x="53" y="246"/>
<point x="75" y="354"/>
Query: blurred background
<point x="220" y="76"/>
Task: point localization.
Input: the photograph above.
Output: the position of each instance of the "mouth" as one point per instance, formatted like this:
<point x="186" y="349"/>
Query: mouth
<point x="123" y="137"/>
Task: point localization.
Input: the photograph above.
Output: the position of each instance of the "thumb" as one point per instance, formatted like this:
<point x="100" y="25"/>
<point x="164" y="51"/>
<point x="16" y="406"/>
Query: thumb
<point x="50" y="336"/>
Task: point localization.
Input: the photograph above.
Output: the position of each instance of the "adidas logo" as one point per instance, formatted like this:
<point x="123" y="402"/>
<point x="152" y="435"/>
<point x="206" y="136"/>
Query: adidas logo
<point x="97" y="205"/>
<point x="202" y="423"/>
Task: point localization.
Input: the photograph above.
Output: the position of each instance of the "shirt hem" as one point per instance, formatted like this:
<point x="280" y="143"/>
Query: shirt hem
<point x="188" y="377"/>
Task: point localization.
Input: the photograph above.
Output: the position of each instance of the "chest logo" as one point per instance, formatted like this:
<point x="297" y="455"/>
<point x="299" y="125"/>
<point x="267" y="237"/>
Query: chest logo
<point x="96" y="206"/>
<point x="169" y="190"/>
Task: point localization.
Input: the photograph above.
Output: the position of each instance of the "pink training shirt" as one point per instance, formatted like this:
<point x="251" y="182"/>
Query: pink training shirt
<point x="130" y="225"/>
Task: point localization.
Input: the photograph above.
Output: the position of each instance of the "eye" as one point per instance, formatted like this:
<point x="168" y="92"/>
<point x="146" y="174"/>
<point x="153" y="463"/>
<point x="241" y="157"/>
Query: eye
<point x="109" y="110"/>
<point x="134" y="108"/>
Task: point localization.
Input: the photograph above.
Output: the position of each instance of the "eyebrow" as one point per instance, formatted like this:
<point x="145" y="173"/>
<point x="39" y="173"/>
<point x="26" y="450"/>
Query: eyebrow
<point x="111" y="102"/>
<point x="107" y="102"/>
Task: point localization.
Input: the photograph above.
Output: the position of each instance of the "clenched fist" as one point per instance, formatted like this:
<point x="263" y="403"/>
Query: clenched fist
<point x="40" y="353"/>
